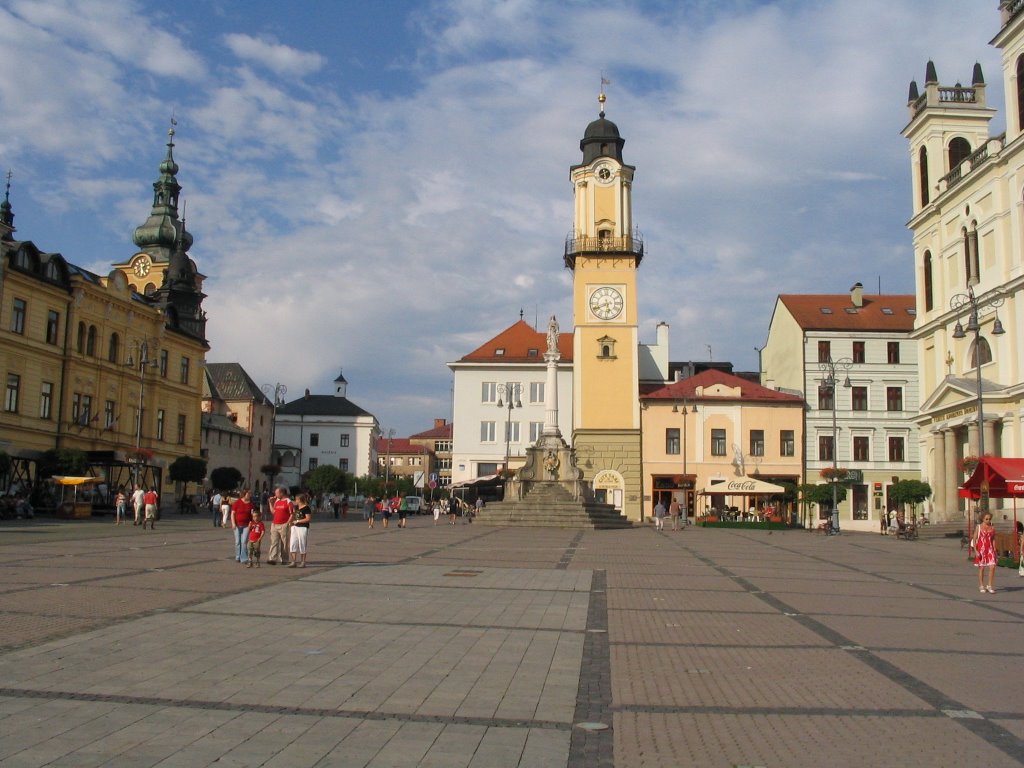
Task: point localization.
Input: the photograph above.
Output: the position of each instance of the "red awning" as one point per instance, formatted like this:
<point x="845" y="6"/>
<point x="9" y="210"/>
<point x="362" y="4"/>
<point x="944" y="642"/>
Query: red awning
<point x="1005" y="478"/>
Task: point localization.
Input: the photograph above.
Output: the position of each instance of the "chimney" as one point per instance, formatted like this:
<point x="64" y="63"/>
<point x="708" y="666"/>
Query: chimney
<point x="438" y="423"/>
<point x="307" y="394"/>
<point x="857" y="295"/>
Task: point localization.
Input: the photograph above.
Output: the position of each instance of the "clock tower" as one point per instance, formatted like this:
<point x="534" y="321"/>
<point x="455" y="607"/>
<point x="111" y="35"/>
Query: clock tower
<point x="604" y="251"/>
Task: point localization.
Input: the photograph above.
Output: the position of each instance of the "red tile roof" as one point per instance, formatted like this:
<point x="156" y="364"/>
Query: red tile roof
<point x="442" y="432"/>
<point x="517" y="341"/>
<point x="749" y="391"/>
<point x="879" y="313"/>
<point x="399" y="445"/>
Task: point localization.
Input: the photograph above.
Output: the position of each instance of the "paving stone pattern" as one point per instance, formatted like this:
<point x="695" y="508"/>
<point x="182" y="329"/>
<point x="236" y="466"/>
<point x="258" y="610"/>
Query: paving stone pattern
<point x="487" y="647"/>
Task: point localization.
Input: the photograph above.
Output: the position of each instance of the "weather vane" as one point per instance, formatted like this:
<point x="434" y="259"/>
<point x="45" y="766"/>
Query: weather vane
<point x="601" y="98"/>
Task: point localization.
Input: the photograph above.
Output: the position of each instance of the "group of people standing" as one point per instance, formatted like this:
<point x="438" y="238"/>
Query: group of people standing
<point x="145" y="503"/>
<point x="289" y="529"/>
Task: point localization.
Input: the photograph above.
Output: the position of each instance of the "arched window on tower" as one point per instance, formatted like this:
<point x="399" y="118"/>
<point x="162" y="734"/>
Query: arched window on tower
<point x="1020" y="93"/>
<point x="981" y="352"/>
<point x="929" y="302"/>
<point x="922" y="161"/>
<point x="959" y="150"/>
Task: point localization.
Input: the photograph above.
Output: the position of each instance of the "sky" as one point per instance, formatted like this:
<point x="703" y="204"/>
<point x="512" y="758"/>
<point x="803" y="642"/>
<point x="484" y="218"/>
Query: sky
<point x="378" y="188"/>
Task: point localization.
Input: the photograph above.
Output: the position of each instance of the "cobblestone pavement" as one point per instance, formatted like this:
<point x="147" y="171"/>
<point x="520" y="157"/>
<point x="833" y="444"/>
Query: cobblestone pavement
<point x="486" y="647"/>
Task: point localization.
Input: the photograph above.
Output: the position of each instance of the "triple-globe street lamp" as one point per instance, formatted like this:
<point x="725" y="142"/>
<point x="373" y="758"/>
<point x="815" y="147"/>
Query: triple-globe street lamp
<point x="142" y="349"/>
<point x="509" y="396"/>
<point x="829" y="367"/>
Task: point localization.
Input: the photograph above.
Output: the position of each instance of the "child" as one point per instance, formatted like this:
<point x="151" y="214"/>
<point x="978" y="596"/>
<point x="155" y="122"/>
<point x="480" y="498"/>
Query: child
<point x="256" y="531"/>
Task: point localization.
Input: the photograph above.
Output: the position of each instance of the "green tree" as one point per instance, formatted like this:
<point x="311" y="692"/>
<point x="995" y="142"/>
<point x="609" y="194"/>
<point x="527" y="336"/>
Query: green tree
<point x="911" y="492"/>
<point x="187" y="469"/>
<point x="62" y="461"/>
<point x="225" y="478"/>
<point x="325" y="479"/>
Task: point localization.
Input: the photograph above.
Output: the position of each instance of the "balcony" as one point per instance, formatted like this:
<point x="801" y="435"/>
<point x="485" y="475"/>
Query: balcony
<point x="631" y="246"/>
<point x="972" y="161"/>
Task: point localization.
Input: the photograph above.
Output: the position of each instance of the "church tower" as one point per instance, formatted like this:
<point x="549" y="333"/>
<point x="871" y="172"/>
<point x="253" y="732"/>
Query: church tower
<point x="604" y="251"/>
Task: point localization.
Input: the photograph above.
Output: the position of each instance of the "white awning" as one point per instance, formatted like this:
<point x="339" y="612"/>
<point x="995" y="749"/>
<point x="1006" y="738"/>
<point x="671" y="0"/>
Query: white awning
<point x="743" y="486"/>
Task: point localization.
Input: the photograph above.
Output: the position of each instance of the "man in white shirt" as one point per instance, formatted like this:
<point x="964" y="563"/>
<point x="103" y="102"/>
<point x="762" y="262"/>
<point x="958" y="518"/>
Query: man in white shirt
<point x="215" y="507"/>
<point x="137" y="504"/>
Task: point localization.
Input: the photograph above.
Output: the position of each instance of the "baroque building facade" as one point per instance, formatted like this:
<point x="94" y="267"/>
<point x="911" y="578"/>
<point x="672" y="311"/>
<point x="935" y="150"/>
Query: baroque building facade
<point x="968" y="239"/>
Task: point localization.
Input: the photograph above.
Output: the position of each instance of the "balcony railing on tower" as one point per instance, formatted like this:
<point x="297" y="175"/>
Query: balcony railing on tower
<point x="630" y="245"/>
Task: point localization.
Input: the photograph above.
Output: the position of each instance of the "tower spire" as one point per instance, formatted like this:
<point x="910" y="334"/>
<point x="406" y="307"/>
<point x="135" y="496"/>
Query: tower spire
<point x="162" y="232"/>
<point x="6" y="213"/>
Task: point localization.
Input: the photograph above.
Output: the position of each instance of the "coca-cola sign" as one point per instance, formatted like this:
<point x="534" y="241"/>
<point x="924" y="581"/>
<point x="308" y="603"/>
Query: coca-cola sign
<point x="741" y="485"/>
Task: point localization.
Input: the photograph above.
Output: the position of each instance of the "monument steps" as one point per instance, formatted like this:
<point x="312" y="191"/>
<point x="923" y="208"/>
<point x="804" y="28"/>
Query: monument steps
<point x="549" y="505"/>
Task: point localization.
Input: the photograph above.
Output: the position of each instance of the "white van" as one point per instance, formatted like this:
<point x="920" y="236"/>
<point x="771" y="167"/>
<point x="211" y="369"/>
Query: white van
<point x="415" y="505"/>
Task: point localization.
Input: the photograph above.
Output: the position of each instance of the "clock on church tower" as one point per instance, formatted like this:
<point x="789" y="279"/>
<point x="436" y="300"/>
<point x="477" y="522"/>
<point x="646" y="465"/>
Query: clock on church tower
<point x="604" y="251"/>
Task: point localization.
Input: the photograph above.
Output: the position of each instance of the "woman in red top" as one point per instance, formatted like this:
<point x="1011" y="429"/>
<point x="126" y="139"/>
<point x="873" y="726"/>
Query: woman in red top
<point x="984" y="544"/>
<point x="241" y="516"/>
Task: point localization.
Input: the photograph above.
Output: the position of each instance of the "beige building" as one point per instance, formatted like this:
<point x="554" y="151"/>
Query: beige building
<point x="93" y="365"/>
<point x="968" y="237"/>
<point x="716" y="426"/>
<point x="439" y="441"/>
<point x="238" y="423"/>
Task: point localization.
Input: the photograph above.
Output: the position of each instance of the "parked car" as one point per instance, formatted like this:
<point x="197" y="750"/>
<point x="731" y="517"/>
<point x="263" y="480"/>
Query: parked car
<point x="415" y="505"/>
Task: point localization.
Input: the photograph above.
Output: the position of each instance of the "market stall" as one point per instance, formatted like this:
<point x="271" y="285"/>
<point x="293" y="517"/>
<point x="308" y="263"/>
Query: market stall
<point x="72" y="507"/>
<point x="996" y="477"/>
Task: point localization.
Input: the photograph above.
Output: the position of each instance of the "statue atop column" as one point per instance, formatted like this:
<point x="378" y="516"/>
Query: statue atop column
<point x="553" y="336"/>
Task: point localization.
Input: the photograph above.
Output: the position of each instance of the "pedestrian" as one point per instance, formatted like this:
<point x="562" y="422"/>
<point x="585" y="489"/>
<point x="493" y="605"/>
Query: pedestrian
<point x="385" y="510"/>
<point x="215" y="502"/>
<point x="344" y="506"/>
<point x="241" y="518"/>
<point x="984" y="545"/>
<point x="138" y="503"/>
<point x="659" y="515"/>
<point x="225" y="510"/>
<point x="673" y="513"/>
<point x="281" y="509"/>
<point x="256" y="531"/>
<point x="369" y="507"/>
<point x="437" y="511"/>
<point x="453" y="509"/>
<point x="150" y="500"/>
<point x="120" y="507"/>
<point x="301" y="517"/>
<point x="403" y="511"/>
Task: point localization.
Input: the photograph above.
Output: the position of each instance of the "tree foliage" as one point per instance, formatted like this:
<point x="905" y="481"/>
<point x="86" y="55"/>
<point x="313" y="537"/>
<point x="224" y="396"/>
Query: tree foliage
<point x="62" y="461"/>
<point x="225" y="478"/>
<point x="187" y="469"/>
<point x="822" y="493"/>
<point x="327" y="479"/>
<point x="911" y="492"/>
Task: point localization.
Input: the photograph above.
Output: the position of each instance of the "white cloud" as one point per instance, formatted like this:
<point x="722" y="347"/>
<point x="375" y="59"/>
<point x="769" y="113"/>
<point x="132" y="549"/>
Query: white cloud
<point x="277" y="57"/>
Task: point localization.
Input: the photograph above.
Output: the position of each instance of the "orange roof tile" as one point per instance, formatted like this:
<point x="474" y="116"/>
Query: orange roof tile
<point x="749" y="391"/>
<point x="517" y="341"/>
<point x="398" y="446"/>
<point x="835" y="312"/>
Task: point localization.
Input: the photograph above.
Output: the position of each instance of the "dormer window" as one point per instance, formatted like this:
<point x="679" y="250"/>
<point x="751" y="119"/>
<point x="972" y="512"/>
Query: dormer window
<point x="499" y="352"/>
<point x="531" y="353"/>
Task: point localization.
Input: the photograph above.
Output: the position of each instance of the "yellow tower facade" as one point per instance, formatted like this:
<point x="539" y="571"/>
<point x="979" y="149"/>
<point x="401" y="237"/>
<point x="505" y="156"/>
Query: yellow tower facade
<point x="604" y="253"/>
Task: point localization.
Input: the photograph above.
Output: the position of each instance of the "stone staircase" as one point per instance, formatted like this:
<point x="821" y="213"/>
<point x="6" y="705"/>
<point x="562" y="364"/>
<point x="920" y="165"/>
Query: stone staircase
<point x="549" y="505"/>
<point x="952" y="529"/>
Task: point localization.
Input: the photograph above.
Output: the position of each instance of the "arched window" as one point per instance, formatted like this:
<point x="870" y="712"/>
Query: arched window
<point x="1020" y="93"/>
<point x="928" y="296"/>
<point x="90" y="342"/>
<point x="113" y="349"/>
<point x="959" y="150"/>
<point x="80" y="346"/>
<point x="981" y="350"/>
<point x="922" y="161"/>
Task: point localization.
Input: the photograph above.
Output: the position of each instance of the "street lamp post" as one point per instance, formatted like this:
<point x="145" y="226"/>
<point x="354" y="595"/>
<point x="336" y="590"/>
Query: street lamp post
<point x="976" y="309"/>
<point x="387" y="463"/>
<point x="512" y="394"/>
<point x="686" y="412"/>
<point x="829" y="368"/>
<point x="144" y="361"/>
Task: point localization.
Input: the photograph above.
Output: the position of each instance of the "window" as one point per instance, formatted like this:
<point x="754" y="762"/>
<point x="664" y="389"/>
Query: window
<point x="826" y="398"/>
<point x="18" y="316"/>
<point x="160" y="419"/>
<point x="894" y="398"/>
<point x="312" y="464"/>
<point x="896" y="449"/>
<point x="76" y="408"/>
<point x="108" y="414"/>
<point x="52" y="326"/>
<point x="80" y="344"/>
<point x="922" y="162"/>
<point x="344" y="441"/>
<point x="512" y="431"/>
<point x="757" y="442"/>
<point x="90" y="342"/>
<point x="86" y="409"/>
<point x="113" y="347"/>
<point x="824" y="351"/>
<point x="826" y="448"/>
<point x="959" y="150"/>
<point x="487" y="432"/>
<point x="314" y="439"/>
<point x="11" y="395"/>
<point x="858" y="351"/>
<point x="892" y="353"/>
<point x="859" y="398"/>
<point x="536" y="391"/>
<point x="442" y="446"/>
<point x="536" y="430"/>
<point x="718" y="442"/>
<point x="929" y="301"/>
<point x="181" y="429"/>
<point x="672" y="441"/>
<point x="787" y="442"/>
<point x="861" y="448"/>
<point x="444" y="463"/>
<point x="981" y="352"/>
<point x="163" y="363"/>
<point x="46" y="401"/>
<point x="184" y="369"/>
<point x="488" y="392"/>
<point x="343" y="465"/>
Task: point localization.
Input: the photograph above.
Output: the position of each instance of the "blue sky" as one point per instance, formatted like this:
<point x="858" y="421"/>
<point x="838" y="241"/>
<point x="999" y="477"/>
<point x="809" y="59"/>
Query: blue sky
<point x="381" y="187"/>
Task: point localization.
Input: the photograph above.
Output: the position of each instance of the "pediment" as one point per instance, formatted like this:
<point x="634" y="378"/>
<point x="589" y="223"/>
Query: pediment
<point x="951" y="394"/>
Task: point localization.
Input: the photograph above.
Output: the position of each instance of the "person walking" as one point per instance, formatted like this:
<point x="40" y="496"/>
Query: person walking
<point x="150" y="500"/>
<point x="138" y="504"/>
<point x="436" y="509"/>
<point x="369" y="507"/>
<point x="215" y="501"/>
<point x="281" y="508"/>
<point x="984" y="544"/>
<point x="241" y="517"/>
<point x="301" y="518"/>
<point x="403" y="512"/>
<point x="120" y="507"/>
<point x="673" y="513"/>
<point x="453" y="509"/>
<point x="385" y="510"/>
<point x="659" y="515"/>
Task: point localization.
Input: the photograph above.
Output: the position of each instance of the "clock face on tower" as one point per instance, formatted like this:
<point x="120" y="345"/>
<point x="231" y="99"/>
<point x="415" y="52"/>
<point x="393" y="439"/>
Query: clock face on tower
<point x="606" y="303"/>
<point x="142" y="266"/>
<point x="605" y="173"/>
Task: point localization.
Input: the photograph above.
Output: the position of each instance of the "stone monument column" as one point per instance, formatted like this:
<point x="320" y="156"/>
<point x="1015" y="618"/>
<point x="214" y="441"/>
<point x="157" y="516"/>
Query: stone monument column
<point x="551" y="357"/>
